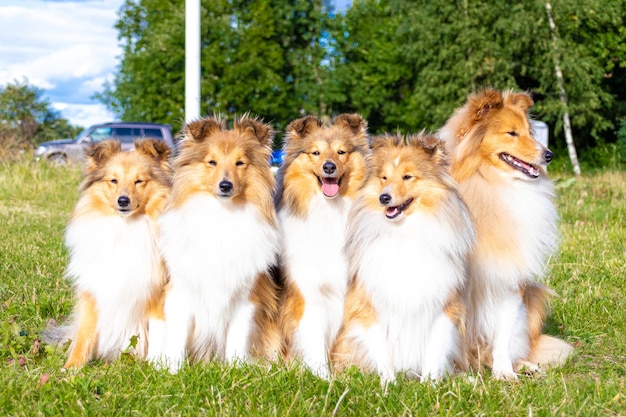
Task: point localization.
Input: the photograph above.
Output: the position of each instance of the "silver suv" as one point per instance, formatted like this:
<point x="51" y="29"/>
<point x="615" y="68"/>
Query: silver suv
<point x="73" y="150"/>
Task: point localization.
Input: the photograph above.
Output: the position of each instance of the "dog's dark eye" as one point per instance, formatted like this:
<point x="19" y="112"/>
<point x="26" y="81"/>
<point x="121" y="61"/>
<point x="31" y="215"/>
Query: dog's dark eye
<point x="407" y="177"/>
<point x="212" y="162"/>
<point x="383" y="178"/>
<point x="113" y="181"/>
<point x="138" y="182"/>
<point x="513" y="133"/>
<point x="316" y="153"/>
<point x="341" y="152"/>
<point x="239" y="163"/>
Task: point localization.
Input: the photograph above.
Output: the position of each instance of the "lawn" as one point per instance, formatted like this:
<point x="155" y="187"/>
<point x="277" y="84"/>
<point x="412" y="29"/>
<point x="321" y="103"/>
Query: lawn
<point x="588" y="275"/>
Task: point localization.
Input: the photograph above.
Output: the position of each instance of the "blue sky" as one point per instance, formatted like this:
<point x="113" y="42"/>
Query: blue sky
<point x="67" y="48"/>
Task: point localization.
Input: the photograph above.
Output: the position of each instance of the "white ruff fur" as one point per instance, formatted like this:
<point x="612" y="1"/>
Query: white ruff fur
<point x="314" y="260"/>
<point x="525" y="212"/>
<point x="410" y="269"/>
<point x="116" y="260"/>
<point x="214" y="250"/>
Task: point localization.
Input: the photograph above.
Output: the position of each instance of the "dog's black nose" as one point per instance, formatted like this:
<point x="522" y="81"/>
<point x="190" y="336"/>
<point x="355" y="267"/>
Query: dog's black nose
<point x="123" y="201"/>
<point x="226" y="186"/>
<point x="329" y="167"/>
<point x="548" y="155"/>
<point x="384" y="199"/>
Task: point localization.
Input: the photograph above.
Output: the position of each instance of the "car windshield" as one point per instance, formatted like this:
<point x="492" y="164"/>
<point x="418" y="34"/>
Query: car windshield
<point x="82" y="134"/>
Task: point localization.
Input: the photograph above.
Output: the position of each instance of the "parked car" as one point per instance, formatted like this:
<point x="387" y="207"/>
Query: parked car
<point x="276" y="160"/>
<point x="73" y="150"/>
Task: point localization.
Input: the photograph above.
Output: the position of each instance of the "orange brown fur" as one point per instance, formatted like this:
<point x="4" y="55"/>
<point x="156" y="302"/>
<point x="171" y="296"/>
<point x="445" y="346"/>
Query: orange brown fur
<point x="245" y="147"/>
<point x="359" y="311"/>
<point x="123" y="190"/>
<point x="501" y="173"/>
<point x="323" y="168"/>
<point x="266" y="338"/>
<point x="86" y="338"/>
<point x="221" y="302"/>
<point x="408" y="239"/>
<point x="344" y="142"/>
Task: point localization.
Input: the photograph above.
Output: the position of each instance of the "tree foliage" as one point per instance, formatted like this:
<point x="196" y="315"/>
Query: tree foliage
<point x="403" y="64"/>
<point x="263" y="57"/>
<point x="419" y="59"/>
<point x="27" y="119"/>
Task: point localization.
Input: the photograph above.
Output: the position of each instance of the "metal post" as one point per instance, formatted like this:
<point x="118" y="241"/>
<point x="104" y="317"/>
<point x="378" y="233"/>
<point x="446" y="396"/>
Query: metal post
<point x="192" y="60"/>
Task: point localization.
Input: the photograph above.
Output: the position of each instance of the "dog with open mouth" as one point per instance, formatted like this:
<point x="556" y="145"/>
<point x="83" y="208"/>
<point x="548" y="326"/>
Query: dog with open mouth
<point x="409" y="238"/>
<point x="501" y="171"/>
<point x="324" y="166"/>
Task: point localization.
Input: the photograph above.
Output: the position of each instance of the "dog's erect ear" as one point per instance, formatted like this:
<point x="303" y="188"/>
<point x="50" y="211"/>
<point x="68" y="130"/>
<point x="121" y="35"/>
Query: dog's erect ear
<point x="301" y="127"/>
<point x="522" y="100"/>
<point x="199" y="129"/>
<point x="433" y="146"/>
<point x="155" y="149"/>
<point x="99" y="153"/>
<point x="481" y="103"/>
<point x="263" y="132"/>
<point x="354" y="122"/>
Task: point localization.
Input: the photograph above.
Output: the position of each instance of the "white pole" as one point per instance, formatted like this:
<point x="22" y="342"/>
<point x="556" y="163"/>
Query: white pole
<point x="192" y="60"/>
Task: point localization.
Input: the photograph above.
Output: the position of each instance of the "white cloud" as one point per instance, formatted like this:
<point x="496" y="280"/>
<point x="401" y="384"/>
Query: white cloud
<point x="60" y="44"/>
<point x="84" y="115"/>
<point x="68" y="48"/>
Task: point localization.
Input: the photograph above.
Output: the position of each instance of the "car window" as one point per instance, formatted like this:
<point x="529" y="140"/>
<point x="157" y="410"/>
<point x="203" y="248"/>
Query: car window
<point x="153" y="133"/>
<point x="100" y="134"/>
<point x="126" y="134"/>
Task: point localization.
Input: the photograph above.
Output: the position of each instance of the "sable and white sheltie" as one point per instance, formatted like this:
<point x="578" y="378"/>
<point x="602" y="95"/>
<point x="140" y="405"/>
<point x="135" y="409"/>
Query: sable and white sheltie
<point x="114" y="261"/>
<point x="324" y="165"/>
<point x="219" y="240"/>
<point x="501" y="173"/>
<point x="409" y="238"/>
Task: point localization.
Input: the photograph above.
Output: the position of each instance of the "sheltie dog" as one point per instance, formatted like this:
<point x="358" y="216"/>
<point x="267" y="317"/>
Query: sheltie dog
<point x="409" y="238"/>
<point x="501" y="173"/>
<point x="114" y="261"/>
<point x="323" y="167"/>
<point x="219" y="239"/>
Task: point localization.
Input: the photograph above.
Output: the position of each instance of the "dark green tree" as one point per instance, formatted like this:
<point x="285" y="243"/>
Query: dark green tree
<point x="149" y="84"/>
<point x="408" y="64"/>
<point x="264" y="57"/>
<point x="27" y="119"/>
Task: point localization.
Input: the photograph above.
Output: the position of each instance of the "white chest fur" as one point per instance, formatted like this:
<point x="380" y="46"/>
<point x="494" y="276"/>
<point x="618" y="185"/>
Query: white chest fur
<point x="212" y="245"/>
<point x="312" y="247"/>
<point x="113" y="258"/>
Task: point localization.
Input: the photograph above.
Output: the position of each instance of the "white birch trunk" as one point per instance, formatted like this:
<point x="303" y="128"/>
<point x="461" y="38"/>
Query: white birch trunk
<point x="567" y="128"/>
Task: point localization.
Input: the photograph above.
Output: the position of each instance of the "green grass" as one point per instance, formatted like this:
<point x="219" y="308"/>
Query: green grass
<point x="589" y="276"/>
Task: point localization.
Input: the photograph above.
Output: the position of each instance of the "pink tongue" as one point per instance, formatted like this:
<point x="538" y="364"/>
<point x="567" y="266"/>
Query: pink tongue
<point x="330" y="188"/>
<point x="392" y="212"/>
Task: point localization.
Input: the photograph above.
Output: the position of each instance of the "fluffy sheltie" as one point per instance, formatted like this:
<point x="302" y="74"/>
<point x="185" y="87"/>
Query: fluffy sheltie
<point x="501" y="173"/>
<point x="114" y="261"/>
<point x="219" y="240"/>
<point x="323" y="167"/>
<point x="409" y="238"/>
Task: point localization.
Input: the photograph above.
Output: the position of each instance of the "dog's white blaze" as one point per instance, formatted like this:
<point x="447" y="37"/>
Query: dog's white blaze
<point x="116" y="260"/>
<point x="410" y="269"/>
<point x="314" y="259"/>
<point x="214" y="251"/>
